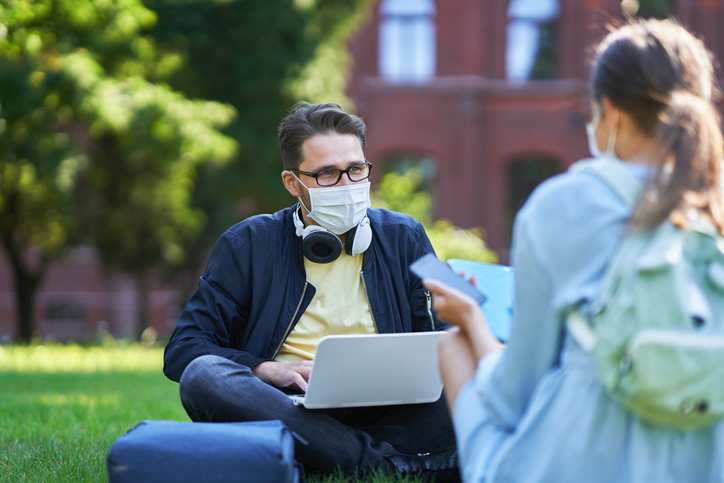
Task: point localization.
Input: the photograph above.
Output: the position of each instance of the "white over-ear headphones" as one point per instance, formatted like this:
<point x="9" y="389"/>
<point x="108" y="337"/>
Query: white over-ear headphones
<point x="322" y="246"/>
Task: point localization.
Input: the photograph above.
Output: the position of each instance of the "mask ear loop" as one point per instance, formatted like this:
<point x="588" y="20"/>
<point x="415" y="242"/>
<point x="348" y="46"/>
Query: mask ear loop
<point x="299" y="199"/>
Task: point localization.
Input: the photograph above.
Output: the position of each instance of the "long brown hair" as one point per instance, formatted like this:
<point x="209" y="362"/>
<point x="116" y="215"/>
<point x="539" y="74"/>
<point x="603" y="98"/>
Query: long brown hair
<point x="662" y="76"/>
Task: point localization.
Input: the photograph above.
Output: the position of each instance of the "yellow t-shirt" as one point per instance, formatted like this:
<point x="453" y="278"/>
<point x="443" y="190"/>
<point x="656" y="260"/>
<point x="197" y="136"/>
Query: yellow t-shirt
<point x="339" y="306"/>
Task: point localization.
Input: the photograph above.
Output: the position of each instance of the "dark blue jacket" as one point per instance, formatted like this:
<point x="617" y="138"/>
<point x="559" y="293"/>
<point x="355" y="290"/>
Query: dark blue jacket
<point x="254" y="289"/>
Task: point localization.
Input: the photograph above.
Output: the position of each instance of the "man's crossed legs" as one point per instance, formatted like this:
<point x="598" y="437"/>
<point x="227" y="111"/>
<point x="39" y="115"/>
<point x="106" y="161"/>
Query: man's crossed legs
<point x="216" y="389"/>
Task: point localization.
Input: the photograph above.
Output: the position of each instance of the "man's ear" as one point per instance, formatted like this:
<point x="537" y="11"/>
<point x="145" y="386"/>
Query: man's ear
<point x="291" y="184"/>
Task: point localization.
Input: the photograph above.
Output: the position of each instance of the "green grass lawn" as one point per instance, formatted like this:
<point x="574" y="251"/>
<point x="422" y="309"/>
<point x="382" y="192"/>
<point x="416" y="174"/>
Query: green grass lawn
<point x="61" y="407"/>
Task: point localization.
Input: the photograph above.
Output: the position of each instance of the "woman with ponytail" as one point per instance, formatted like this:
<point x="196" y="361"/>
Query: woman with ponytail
<point x="536" y="410"/>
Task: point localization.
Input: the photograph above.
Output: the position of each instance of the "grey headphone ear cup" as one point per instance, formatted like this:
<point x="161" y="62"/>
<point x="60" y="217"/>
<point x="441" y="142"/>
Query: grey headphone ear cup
<point x="358" y="238"/>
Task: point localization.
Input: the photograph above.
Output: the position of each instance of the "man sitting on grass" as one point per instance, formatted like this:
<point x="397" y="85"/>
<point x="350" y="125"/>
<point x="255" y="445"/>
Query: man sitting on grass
<point x="276" y="284"/>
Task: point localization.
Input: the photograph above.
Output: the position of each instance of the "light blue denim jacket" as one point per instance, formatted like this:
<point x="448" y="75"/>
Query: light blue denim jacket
<point x="536" y="412"/>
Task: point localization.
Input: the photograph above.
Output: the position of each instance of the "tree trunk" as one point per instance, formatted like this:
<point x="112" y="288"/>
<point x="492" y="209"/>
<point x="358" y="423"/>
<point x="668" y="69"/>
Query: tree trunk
<point x="26" y="282"/>
<point x="26" y="286"/>
<point x="143" y="303"/>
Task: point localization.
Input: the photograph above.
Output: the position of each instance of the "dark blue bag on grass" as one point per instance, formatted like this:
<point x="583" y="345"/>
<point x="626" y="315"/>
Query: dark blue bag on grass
<point x="173" y="451"/>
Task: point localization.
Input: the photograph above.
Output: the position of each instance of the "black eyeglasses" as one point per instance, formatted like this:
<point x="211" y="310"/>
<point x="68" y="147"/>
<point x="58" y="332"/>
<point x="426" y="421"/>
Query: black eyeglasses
<point x="331" y="176"/>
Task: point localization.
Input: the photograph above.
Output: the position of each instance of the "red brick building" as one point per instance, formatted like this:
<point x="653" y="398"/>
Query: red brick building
<point x="79" y="301"/>
<point x="431" y="79"/>
<point x="489" y="140"/>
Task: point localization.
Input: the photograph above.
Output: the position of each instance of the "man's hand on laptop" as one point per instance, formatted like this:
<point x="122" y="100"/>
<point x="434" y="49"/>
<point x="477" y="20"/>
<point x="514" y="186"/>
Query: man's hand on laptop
<point x="285" y="375"/>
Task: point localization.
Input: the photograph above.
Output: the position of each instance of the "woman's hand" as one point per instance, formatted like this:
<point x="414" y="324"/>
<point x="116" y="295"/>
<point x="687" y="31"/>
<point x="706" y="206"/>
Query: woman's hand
<point x="458" y="309"/>
<point x="452" y="305"/>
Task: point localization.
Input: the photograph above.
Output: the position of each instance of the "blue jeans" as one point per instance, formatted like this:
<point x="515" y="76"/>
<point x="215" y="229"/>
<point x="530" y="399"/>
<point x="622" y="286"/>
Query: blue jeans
<point x="216" y="389"/>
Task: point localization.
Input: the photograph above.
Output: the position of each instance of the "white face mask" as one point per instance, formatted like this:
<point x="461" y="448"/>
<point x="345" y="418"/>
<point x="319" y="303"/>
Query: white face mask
<point x="593" y="142"/>
<point x="339" y="208"/>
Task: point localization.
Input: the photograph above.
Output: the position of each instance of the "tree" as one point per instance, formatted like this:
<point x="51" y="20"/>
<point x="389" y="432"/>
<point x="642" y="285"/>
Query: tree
<point x="146" y="142"/>
<point x="101" y="147"/>
<point x="34" y="156"/>
<point x="88" y="142"/>
<point x="261" y="58"/>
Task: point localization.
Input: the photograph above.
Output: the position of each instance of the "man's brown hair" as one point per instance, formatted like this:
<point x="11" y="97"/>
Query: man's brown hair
<point x="305" y="120"/>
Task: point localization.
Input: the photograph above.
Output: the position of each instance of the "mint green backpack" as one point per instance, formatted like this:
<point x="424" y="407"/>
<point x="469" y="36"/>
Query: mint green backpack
<point x="657" y="327"/>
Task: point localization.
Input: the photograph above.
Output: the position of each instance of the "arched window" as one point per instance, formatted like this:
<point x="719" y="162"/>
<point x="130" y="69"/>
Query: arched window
<point x="407" y="40"/>
<point x="64" y="310"/>
<point x="523" y="175"/>
<point x="653" y="8"/>
<point x="531" y="50"/>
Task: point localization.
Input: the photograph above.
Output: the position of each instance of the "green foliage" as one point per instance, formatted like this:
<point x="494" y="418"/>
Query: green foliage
<point x="100" y="142"/>
<point x="35" y="151"/>
<point x="146" y="142"/>
<point x="92" y="148"/>
<point x="329" y="25"/>
<point x="63" y="406"/>
<point x="111" y="30"/>
<point x="450" y="241"/>
<point x="260" y="58"/>
<point x="29" y="208"/>
<point x="401" y="192"/>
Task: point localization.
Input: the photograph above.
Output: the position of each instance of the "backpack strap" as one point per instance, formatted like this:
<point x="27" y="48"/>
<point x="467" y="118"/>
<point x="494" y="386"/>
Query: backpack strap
<point x="628" y="188"/>
<point x="615" y="175"/>
<point x="581" y="330"/>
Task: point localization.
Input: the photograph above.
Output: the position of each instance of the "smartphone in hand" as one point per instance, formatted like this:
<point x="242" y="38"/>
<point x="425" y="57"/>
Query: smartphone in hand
<point x="430" y="267"/>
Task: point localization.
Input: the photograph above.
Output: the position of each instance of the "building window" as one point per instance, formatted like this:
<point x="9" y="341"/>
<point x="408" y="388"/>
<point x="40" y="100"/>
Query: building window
<point x="531" y="51"/>
<point x="64" y="310"/>
<point x="407" y="40"/>
<point x="651" y="8"/>
<point x="524" y="174"/>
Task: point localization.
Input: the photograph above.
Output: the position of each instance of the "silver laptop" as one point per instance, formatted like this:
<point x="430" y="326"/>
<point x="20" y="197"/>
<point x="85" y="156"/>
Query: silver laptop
<point x="373" y="370"/>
